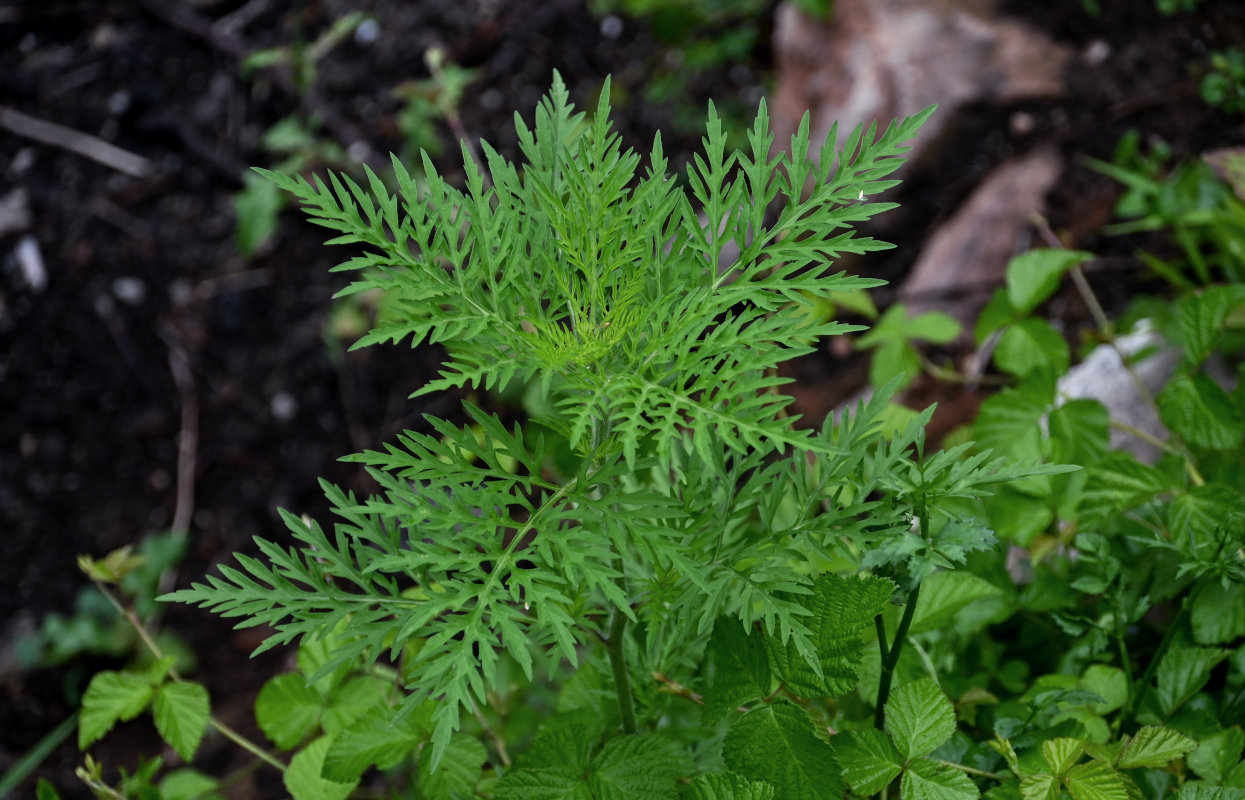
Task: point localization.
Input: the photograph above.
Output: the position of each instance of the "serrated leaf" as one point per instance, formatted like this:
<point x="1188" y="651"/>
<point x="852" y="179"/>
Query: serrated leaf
<point x="870" y="761"/>
<point x="1030" y="345"/>
<point x="1118" y="481"/>
<point x="1095" y="780"/>
<point x="1196" y="408"/>
<point x="303" y="776"/>
<point x="110" y="696"/>
<point x="1009" y="423"/>
<point x="459" y="771"/>
<point x="181" y="712"/>
<point x="1217" y="754"/>
<point x="374" y="739"/>
<point x="1182" y="672"/>
<point x="566" y="740"/>
<point x="842" y="609"/>
<point x="647" y="766"/>
<point x="1196" y="790"/>
<point x="1080" y="432"/>
<point x="1153" y="746"/>
<point x="928" y="780"/>
<point x="728" y="786"/>
<point x="1039" y="786"/>
<point x="350" y="700"/>
<point x="1061" y="754"/>
<point x="919" y="718"/>
<point x="1033" y="276"/>
<point x="945" y="594"/>
<point x="287" y="709"/>
<point x="738" y="667"/>
<point x="778" y="744"/>
<point x="1202" y="316"/>
<point x="543" y="784"/>
<point x="1197" y="519"/>
<point x="933" y="326"/>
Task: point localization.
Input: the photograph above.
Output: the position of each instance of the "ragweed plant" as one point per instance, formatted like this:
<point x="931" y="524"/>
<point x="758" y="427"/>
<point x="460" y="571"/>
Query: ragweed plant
<point x="663" y="534"/>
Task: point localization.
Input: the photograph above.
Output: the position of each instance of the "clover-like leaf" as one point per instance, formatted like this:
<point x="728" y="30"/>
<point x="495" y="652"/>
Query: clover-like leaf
<point x="919" y="718"/>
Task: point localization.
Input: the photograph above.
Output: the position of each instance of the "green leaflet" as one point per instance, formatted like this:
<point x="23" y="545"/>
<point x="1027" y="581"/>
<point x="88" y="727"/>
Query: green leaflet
<point x="919" y="718"/>
<point x="1031" y="345"/>
<point x="1202" y="317"/>
<point x="1153" y="746"/>
<point x="1095" y="780"/>
<point x="945" y="594"/>
<point x="460" y="770"/>
<point x="643" y="767"/>
<point x="778" y="744"/>
<point x="928" y="780"/>
<point x="1217" y="754"/>
<point x="1196" y="408"/>
<point x="739" y="669"/>
<point x="287" y="709"/>
<point x="181" y="713"/>
<point x="375" y="738"/>
<point x="303" y="775"/>
<point x="728" y="786"/>
<point x="842" y="609"/>
<point x="111" y="696"/>
<point x="1033" y="276"/>
<point x="1184" y="671"/>
<point x="869" y="758"/>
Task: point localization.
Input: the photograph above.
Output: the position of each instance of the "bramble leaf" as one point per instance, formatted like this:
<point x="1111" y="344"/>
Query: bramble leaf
<point x="777" y="744"/>
<point x="111" y="696"/>
<point x="1153" y="746"/>
<point x="1182" y="672"/>
<point x="928" y="780"/>
<point x="728" y="786"/>
<point x="1095" y="780"/>
<point x="738" y="668"/>
<point x="1033" y="276"/>
<point x="919" y="717"/>
<point x="181" y="712"/>
<point x="374" y="739"/>
<point x="870" y="761"/>
<point x="287" y="709"/>
<point x="303" y="776"/>
<point x="459" y="772"/>
<point x="1201" y="412"/>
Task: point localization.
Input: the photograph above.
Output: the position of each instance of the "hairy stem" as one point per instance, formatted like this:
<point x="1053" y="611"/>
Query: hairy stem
<point x="618" y="658"/>
<point x="891" y="657"/>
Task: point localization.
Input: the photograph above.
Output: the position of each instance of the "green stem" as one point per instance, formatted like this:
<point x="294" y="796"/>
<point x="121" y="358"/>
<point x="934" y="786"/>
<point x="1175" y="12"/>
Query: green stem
<point x="226" y="731"/>
<point x="1139" y="689"/>
<point x="994" y="776"/>
<point x="618" y="659"/>
<point x="891" y="658"/>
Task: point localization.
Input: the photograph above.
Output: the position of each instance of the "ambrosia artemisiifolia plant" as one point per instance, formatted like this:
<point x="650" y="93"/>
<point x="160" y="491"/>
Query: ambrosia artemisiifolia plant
<point x="661" y="506"/>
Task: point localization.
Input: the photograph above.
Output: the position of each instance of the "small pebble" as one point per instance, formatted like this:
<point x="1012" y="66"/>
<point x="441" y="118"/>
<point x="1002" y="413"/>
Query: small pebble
<point x="283" y="406"/>
<point x="129" y="290"/>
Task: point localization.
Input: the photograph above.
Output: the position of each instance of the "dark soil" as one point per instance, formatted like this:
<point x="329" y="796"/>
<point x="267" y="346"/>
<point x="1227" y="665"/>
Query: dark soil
<point x="144" y="274"/>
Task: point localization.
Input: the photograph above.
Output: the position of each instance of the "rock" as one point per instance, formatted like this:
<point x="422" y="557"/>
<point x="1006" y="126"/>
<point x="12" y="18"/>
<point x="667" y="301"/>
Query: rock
<point x="966" y="258"/>
<point x="884" y="59"/>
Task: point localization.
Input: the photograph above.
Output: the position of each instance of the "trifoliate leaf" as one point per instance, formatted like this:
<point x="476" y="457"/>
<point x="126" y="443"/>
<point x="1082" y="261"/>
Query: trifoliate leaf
<point x="928" y="780"/>
<point x="728" y="786"/>
<point x="1030" y="345"/>
<point x="738" y="669"/>
<point x="181" y="712"/>
<point x="870" y="761"/>
<point x="1061" y="754"/>
<point x="303" y="775"/>
<point x="842" y="608"/>
<point x="1032" y="277"/>
<point x="1008" y="424"/>
<point x="1196" y="408"/>
<point x="374" y="739"/>
<point x="1153" y="746"/>
<point x="945" y="594"/>
<point x="1095" y="780"/>
<point x="1217" y="754"/>
<point x="1118" y="481"/>
<point x="110" y="696"/>
<point x="1182" y="672"/>
<point x="459" y="771"/>
<point x="778" y="744"/>
<point x="919" y="717"/>
<point x="287" y="709"/>
<point x="932" y="326"/>
<point x="997" y="313"/>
